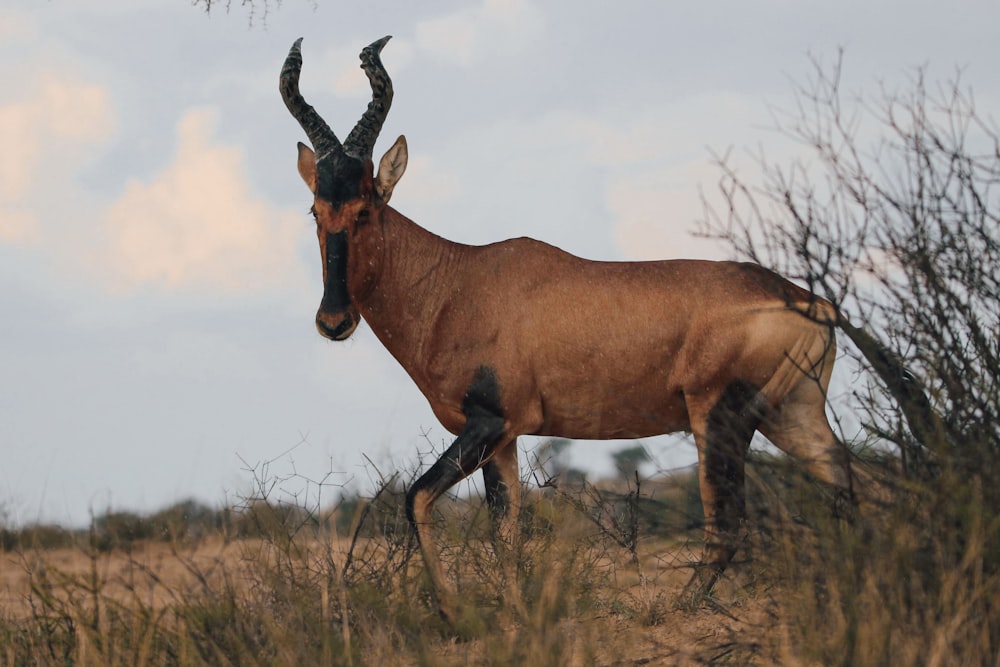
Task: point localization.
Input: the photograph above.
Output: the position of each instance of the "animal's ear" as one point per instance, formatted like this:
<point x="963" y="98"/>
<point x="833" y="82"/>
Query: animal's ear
<point x="307" y="166"/>
<point x="390" y="169"/>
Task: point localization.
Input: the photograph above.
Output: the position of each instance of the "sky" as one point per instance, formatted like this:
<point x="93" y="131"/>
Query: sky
<point x="159" y="272"/>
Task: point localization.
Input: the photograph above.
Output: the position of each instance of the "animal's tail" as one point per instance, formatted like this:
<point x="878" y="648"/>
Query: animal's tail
<point x="924" y="422"/>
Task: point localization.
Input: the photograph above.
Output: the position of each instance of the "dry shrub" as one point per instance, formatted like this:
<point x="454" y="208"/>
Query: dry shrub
<point x="911" y="580"/>
<point x="901" y="232"/>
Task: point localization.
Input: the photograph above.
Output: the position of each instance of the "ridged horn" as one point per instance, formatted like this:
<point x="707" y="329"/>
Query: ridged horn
<point x="323" y="139"/>
<point x="361" y="141"/>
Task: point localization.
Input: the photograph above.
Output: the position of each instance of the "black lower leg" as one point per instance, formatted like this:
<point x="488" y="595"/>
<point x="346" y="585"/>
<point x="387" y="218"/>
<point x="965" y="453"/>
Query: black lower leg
<point x="467" y="454"/>
<point x="475" y="445"/>
<point x="731" y="424"/>
<point x="497" y="491"/>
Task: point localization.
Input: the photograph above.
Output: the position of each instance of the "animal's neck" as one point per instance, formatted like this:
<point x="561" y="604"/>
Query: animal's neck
<point x="414" y="280"/>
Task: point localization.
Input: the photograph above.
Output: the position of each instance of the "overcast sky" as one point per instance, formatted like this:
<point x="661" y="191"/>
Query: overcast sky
<point x="159" y="272"/>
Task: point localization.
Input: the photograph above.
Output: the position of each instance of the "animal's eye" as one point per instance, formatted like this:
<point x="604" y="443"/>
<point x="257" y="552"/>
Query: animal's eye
<point x="363" y="215"/>
<point x="312" y="212"/>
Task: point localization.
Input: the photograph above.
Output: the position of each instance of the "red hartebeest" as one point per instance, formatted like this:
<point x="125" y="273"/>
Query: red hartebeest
<point x="519" y="337"/>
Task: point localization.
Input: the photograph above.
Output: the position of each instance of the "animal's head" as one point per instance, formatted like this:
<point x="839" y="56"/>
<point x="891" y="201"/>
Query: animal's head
<point x="348" y="198"/>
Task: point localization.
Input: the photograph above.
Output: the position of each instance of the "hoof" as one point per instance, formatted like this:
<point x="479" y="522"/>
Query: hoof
<point x="464" y="623"/>
<point x="699" y="587"/>
<point x="447" y="614"/>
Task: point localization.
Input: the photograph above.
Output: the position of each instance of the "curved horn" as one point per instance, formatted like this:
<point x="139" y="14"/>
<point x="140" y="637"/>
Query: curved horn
<point x="323" y="139"/>
<point x="361" y="140"/>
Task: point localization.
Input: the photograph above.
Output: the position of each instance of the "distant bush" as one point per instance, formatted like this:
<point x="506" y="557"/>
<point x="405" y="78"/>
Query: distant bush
<point x="119" y="529"/>
<point x="187" y="520"/>
<point x="190" y="520"/>
<point x="272" y="520"/>
<point x="36" y="536"/>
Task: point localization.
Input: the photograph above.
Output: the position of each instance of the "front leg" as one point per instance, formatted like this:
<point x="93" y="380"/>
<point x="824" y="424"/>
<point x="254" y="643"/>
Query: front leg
<point x="475" y="446"/>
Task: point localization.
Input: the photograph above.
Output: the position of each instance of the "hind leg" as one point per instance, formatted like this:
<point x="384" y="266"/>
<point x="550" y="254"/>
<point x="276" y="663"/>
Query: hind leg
<point x="797" y="423"/>
<point x="723" y="427"/>
<point x="799" y="427"/>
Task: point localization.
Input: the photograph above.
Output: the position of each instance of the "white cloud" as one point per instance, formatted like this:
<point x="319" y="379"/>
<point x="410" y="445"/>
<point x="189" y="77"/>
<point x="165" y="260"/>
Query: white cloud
<point x="198" y="225"/>
<point x="616" y="182"/>
<point x="426" y="183"/>
<point x="15" y="26"/>
<point x="657" y="162"/>
<point x="45" y="135"/>
<point x="347" y="77"/>
<point x="468" y="36"/>
<point x="685" y="128"/>
<point x="338" y="68"/>
<point x="656" y="212"/>
<point x="17" y="225"/>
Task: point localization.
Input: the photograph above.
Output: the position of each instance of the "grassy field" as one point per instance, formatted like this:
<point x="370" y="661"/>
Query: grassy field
<point x="600" y="575"/>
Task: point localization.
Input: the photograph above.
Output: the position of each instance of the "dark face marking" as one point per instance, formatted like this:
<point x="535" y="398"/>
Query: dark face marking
<point x="339" y="178"/>
<point x="337" y="315"/>
<point x="342" y="182"/>
<point x="335" y="295"/>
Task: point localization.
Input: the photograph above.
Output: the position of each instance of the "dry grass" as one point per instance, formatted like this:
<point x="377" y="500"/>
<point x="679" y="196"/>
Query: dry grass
<point x="159" y="605"/>
<point x="808" y="589"/>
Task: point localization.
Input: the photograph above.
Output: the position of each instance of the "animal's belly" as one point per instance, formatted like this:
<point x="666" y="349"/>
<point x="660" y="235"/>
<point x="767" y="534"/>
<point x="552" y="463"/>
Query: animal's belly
<point x="627" y="414"/>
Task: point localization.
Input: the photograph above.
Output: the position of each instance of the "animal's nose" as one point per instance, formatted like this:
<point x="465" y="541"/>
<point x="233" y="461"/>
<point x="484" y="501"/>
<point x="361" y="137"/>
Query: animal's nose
<point x="335" y="330"/>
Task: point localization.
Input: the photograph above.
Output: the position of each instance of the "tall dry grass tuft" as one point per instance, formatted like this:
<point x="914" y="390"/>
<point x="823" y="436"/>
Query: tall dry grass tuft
<point x="913" y="580"/>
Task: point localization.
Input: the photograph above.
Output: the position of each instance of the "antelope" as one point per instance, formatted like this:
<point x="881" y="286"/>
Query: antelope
<point x="519" y="337"/>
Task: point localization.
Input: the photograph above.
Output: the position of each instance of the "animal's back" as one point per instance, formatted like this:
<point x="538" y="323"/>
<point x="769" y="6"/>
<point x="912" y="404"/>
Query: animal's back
<point x="611" y="349"/>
